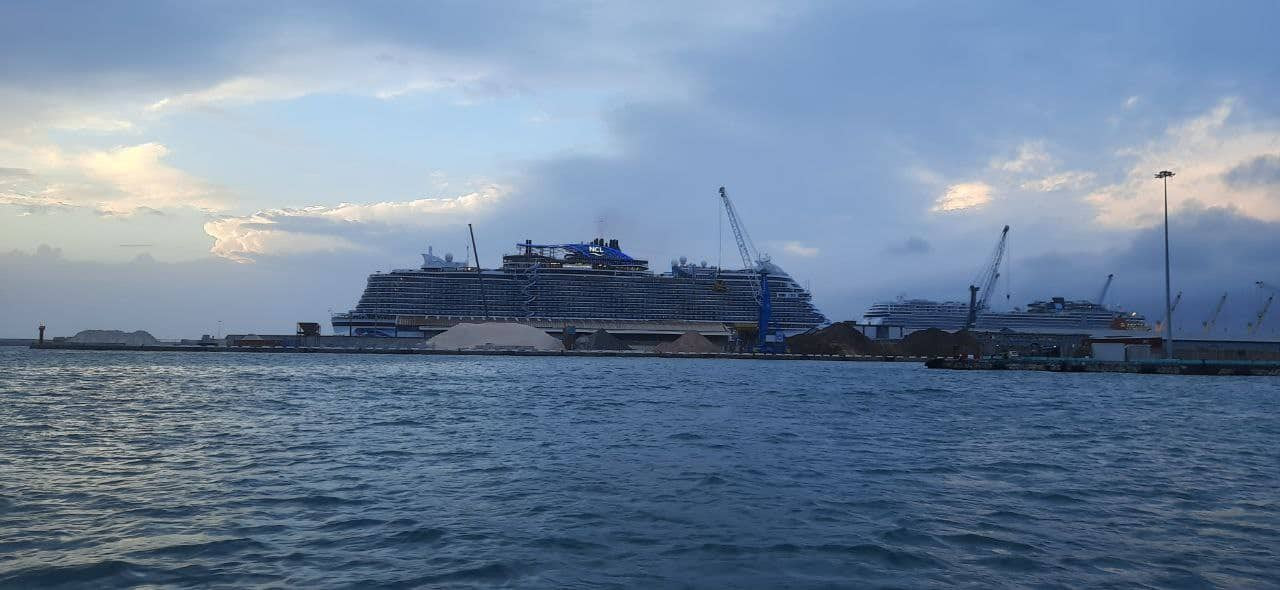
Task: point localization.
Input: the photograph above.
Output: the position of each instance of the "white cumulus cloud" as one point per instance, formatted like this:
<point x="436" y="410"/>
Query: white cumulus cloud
<point x="962" y="196"/>
<point x="347" y="226"/>
<point x="1203" y="152"/>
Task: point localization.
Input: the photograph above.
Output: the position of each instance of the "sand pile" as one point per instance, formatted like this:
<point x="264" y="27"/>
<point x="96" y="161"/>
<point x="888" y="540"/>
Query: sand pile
<point x="689" y="342"/>
<point x="935" y="342"/>
<point x="496" y="336"/>
<point x="838" y="338"/>
<point x="138" y="338"/>
<point x="600" y="340"/>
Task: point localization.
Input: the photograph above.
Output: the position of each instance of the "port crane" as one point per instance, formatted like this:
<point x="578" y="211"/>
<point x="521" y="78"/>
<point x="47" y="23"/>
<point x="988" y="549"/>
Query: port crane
<point x="987" y="280"/>
<point x="1172" y="308"/>
<point x="1102" y="296"/>
<point x="1266" y="306"/>
<point x="1208" y="324"/>
<point x="766" y="341"/>
<point x="1106" y="287"/>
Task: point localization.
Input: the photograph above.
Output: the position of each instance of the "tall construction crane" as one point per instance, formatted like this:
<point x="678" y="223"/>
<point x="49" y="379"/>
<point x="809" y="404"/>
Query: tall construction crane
<point x="766" y="341"/>
<point x="1208" y="324"/>
<point x="987" y="280"/>
<point x="1266" y="306"/>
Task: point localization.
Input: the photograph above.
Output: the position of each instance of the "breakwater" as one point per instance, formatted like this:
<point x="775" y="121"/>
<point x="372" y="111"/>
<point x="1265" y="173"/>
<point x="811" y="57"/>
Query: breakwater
<point x="473" y="352"/>
<point x="1073" y="365"/>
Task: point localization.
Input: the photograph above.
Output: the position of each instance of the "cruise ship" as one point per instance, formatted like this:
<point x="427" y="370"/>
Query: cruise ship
<point x="1054" y="315"/>
<point x="580" y="282"/>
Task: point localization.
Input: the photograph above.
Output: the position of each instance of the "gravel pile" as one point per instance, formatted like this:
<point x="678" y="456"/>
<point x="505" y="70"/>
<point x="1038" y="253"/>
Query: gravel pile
<point x="494" y="336"/>
<point x="838" y="338"/>
<point x="689" y="342"/>
<point x="138" y="338"/>
<point x="600" y="340"/>
<point x="935" y="342"/>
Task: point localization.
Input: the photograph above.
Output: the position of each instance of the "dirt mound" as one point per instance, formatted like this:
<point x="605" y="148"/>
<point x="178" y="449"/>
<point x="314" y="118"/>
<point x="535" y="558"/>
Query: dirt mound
<point x="689" y="342"/>
<point x="495" y="335"/>
<point x="838" y="338"/>
<point x="935" y="342"/>
<point x="138" y="338"/>
<point x="600" y="340"/>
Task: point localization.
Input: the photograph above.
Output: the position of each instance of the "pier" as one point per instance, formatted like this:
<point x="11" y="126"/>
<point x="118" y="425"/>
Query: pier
<point x="1088" y="365"/>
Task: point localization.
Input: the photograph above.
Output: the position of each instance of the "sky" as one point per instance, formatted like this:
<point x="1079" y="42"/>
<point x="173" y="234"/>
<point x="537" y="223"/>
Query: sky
<point x="189" y="167"/>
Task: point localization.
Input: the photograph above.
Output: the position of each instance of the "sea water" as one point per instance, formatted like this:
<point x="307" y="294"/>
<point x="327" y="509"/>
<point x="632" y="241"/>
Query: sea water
<point x="294" y="470"/>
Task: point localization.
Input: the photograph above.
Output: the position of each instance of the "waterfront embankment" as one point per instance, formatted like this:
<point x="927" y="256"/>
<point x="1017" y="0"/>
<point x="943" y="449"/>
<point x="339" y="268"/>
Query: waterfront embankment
<point x="472" y="352"/>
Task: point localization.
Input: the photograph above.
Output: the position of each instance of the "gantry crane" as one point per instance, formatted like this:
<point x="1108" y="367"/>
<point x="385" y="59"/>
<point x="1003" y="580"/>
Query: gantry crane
<point x="1208" y="324"/>
<point x="987" y="280"/>
<point x="752" y="260"/>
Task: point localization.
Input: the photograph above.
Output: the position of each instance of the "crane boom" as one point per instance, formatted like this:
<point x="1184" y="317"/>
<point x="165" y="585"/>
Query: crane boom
<point x="1208" y="325"/>
<point x="980" y="290"/>
<point x="987" y="280"/>
<point x="746" y="248"/>
<point x="1105" y="287"/>
<point x="1262" y="314"/>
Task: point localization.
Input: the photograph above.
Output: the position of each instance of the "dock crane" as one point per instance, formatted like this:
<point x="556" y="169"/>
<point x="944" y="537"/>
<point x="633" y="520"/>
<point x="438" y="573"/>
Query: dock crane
<point x="1102" y="296"/>
<point x="1172" y="308"/>
<point x="766" y="341"/>
<point x="1212" y="318"/>
<point x="1105" y="287"/>
<point x="1266" y="306"/>
<point x="987" y="280"/>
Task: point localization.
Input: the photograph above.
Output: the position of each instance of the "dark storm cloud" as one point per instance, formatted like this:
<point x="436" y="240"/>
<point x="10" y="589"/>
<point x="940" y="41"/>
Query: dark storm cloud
<point x="1212" y="251"/>
<point x="1260" y="171"/>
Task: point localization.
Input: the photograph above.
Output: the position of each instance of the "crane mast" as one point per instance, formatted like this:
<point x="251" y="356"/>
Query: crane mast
<point x="980" y="290"/>
<point x="1208" y="325"/>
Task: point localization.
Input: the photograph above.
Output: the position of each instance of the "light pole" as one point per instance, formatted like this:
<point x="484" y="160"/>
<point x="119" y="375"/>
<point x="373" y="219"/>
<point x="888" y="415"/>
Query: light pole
<point x="1164" y="175"/>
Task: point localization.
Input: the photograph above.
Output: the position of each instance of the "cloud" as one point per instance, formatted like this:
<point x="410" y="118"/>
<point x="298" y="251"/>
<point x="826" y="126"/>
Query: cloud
<point x="1061" y="181"/>
<point x="145" y="182"/>
<point x="1261" y="171"/>
<point x="911" y="246"/>
<point x="799" y="249"/>
<point x="1216" y="156"/>
<point x="1132" y="101"/>
<point x="119" y="181"/>
<point x="345" y="227"/>
<point x="963" y="196"/>
<point x="1030" y="156"/>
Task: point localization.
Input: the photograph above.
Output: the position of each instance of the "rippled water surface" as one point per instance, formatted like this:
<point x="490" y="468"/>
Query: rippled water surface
<point x="167" y="469"/>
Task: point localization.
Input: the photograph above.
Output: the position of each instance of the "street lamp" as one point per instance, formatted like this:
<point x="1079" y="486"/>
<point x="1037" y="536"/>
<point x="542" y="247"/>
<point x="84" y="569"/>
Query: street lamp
<point x="1164" y="175"/>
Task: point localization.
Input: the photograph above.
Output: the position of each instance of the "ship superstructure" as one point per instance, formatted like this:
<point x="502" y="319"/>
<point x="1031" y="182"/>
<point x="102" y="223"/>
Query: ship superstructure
<point x="594" y="280"/>
<point x="1055" y="314"/>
